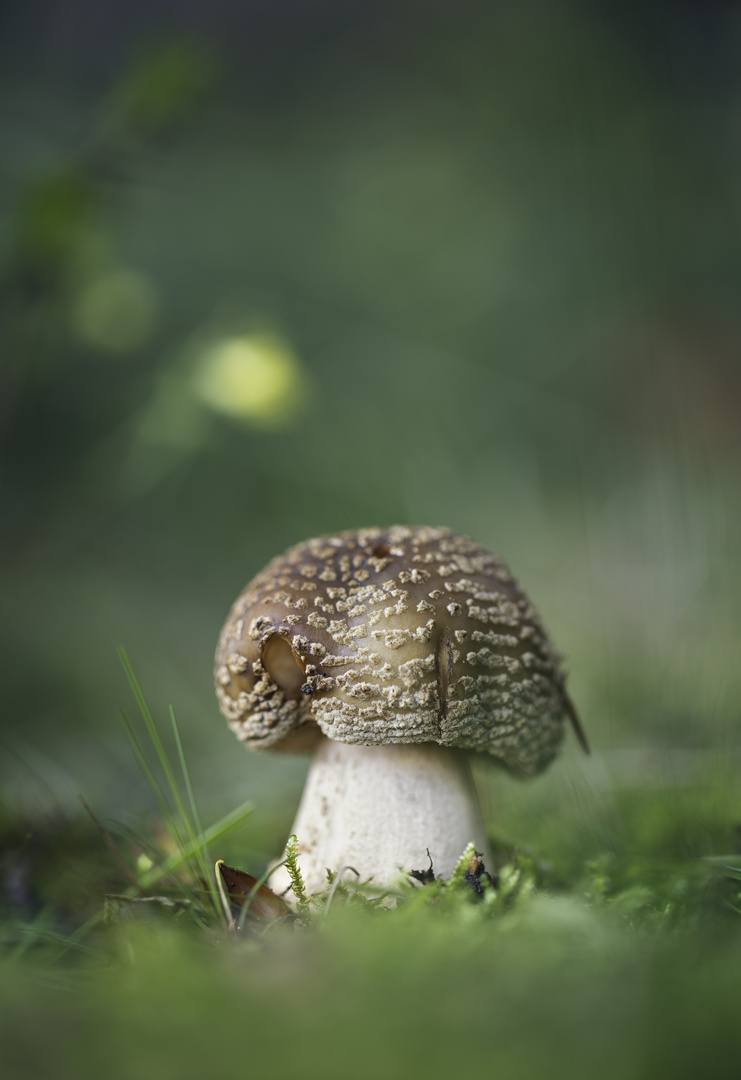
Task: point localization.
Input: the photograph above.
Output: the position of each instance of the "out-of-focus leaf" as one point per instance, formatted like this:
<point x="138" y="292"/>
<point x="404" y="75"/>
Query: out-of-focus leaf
<point x="162" y="85"/>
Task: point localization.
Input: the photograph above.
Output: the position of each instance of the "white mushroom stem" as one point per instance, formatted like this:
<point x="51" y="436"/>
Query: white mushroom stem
<point x="379" y="809"/>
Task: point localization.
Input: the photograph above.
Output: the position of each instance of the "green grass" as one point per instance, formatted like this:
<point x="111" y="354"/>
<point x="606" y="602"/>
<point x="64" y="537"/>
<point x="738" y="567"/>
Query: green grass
<point x="611" y="958"/>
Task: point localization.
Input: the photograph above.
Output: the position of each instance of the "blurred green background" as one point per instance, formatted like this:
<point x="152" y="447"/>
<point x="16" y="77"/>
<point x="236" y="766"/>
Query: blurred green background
<point x="276" y="270"/>
<point x="272" y="270"/>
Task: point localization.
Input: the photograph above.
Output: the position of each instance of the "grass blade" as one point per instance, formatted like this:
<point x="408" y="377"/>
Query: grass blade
<point x="192" y="846"/>
<point x="152" y="782"/>
<point x="203" y="854"/>
<point x="229" y="824"/>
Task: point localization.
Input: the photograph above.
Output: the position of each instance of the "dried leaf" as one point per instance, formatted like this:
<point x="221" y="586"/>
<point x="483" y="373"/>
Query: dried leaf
<point x="265" y="904"/>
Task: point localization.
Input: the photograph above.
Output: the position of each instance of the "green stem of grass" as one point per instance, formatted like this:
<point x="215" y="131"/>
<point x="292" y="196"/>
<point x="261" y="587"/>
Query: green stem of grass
<point x="228" y="824"/>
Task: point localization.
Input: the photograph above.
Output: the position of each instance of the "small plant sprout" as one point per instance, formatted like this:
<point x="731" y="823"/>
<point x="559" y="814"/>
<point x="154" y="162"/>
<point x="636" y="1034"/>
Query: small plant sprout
<point x="390" y="654"/>
<point x="458" y="877"/>
<point x="294" y="873"/>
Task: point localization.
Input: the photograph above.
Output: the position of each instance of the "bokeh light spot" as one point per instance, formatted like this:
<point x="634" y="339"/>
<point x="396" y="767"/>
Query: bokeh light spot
<point x="116" y="312"/>
<point x="254" y="377"/>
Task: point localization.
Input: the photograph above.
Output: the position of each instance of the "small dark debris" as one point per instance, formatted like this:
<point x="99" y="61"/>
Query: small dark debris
<point x="425" y="877"/>
<point x="477" y="874"/>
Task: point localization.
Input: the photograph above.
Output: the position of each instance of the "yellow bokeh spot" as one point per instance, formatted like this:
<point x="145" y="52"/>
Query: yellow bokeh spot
<point x="116" y="312"/>
<point x="143" y="863"/>
<point x="254" y="377"/>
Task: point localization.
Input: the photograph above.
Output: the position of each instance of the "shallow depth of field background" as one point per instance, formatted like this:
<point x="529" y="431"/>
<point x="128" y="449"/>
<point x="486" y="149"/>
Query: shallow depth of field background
<point x="486" y="259"/>
<point x="276" y="269"/>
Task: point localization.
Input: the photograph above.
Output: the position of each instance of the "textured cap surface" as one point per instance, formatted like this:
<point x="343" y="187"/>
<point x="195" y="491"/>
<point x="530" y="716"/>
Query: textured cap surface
<point x="392" y="636"/>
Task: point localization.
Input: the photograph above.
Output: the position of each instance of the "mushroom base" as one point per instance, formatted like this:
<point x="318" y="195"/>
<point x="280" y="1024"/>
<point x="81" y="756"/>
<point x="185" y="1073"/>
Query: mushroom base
<point x="378" y="809"/>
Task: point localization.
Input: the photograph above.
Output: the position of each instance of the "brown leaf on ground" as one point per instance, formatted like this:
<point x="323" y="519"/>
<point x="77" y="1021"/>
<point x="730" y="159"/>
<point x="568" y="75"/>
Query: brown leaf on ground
<point x="264" y="903"/>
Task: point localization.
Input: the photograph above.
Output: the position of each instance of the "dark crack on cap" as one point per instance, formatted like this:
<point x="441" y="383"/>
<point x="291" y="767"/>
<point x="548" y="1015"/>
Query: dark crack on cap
<point x="392" y="636"/>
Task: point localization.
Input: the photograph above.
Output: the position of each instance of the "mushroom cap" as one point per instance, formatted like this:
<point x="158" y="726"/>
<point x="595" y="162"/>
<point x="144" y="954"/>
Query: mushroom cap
<point x="402" y="635"/>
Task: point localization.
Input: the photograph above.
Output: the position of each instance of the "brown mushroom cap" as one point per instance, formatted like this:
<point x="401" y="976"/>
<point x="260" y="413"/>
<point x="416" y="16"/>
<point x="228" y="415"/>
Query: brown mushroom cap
<point x="392" y="636"/>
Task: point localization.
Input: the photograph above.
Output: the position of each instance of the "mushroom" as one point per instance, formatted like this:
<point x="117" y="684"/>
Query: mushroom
<point x="390" y="653"/>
